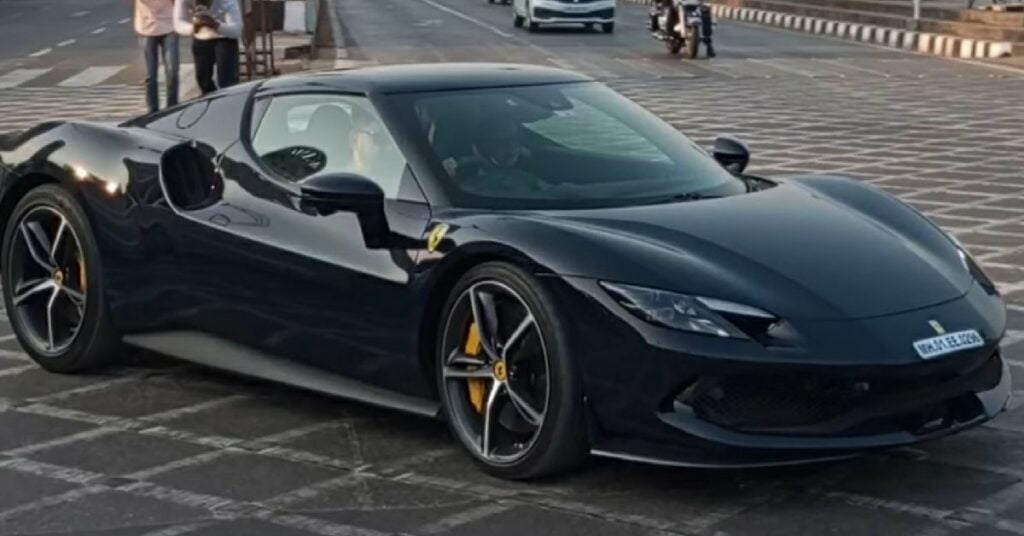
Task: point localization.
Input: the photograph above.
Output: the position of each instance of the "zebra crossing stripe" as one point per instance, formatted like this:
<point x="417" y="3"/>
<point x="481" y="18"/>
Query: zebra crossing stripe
<point x="91" y="76"/>
<point x="18" y="77"/>
<point x="187" y="84"/>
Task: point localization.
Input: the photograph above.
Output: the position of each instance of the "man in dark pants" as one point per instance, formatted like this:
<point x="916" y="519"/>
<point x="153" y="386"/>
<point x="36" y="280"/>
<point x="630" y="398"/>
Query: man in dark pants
<point x="215" y="26"/>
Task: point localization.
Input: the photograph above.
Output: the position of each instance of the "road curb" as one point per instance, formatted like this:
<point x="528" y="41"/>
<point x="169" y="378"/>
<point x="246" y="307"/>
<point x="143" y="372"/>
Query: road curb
<point x="926" y="43"/>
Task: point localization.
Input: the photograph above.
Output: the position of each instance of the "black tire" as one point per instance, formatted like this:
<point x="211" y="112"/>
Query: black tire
<point x="692" y="41"/>
<point x="532" y="26"/>
<point x="589" y="26"/>
<point x="561" y="442"/>
<point x="673" y="45"/>
<point x="517" y="21"/>
<point x="608" y="27"/>
<point x="95" y="342"/>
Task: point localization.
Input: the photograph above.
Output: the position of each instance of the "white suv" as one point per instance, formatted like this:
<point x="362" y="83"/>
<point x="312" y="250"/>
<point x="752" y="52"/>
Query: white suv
<point x="533" y="13"/>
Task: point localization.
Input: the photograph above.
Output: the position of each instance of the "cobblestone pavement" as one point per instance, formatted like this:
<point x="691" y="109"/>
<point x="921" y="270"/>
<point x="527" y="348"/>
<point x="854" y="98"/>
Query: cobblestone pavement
<point x="158" y="447"/>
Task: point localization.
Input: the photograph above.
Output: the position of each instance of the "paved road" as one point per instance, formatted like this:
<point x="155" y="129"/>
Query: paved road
<point x="58" y="53"/>
<point x="161" y="448"/>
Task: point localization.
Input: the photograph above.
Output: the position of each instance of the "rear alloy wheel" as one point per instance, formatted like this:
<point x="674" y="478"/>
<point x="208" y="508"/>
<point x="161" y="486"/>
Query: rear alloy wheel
<point x="51" y="283"/>
<point x="508" y="388"/>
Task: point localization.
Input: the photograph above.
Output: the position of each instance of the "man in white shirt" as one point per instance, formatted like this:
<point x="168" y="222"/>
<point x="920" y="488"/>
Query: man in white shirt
<point x="154" y="22"/>
<point x="215" y="26"/>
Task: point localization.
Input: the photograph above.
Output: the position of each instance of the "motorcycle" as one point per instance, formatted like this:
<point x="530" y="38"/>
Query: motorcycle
<point x="680" y="23"/>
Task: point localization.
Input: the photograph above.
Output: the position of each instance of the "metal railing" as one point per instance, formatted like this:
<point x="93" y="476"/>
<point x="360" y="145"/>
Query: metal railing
<point x="257" y="39"/>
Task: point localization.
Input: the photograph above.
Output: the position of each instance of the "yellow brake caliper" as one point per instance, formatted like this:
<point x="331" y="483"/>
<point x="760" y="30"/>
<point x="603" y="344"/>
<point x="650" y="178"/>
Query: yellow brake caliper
<point x="476" y="385"/>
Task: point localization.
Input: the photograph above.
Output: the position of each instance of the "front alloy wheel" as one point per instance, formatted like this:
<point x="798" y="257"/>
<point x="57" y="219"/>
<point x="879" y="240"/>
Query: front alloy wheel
<point x="509" y="392"/>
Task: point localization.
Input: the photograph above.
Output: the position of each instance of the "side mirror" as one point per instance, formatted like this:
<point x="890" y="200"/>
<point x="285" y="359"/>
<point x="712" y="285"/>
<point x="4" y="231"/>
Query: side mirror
<point x="732" y="154"/>
<point x="348" y="192"/>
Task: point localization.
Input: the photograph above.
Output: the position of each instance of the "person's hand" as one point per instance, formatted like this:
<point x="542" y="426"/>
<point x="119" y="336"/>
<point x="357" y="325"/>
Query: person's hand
<point x="205" y="19"/>
<point x="450" y="165"/>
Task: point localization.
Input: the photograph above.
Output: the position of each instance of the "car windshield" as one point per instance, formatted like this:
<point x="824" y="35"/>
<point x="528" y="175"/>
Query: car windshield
<point x="562" y="146"/>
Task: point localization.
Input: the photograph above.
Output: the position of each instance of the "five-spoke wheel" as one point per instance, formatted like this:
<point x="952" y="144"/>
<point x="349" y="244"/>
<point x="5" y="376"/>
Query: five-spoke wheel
<point x="52" y="282"/>
<point x="48" y="276"/>
<point x="506" y="382"/>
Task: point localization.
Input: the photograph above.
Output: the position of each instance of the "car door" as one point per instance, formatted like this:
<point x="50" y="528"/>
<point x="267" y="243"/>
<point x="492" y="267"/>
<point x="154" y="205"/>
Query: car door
<point x="300" y="285"/>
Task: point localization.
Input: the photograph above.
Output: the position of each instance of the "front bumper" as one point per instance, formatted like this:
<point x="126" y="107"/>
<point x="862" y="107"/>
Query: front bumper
<point x="769" y="406"/>
<point x="551" y="11"/>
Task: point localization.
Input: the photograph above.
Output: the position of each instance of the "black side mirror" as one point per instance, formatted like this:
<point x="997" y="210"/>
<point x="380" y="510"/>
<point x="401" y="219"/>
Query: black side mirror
<point x="732" y="153"/>
<point x="348" y="192"/>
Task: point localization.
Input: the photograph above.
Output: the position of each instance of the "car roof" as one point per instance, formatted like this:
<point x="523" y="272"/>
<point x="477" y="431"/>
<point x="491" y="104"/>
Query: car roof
<point x="414" y="78"/>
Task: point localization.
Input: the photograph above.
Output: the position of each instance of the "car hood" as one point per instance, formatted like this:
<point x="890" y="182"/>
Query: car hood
<point x="824" y="248"/>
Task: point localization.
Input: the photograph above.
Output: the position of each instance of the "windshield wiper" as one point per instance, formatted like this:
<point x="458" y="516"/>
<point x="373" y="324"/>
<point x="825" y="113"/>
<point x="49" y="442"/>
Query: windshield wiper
<point x="678" y="198"/>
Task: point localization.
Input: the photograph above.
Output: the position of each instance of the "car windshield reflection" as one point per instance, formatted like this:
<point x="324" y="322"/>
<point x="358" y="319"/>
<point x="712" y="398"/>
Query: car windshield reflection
<point x="575" y="145"/>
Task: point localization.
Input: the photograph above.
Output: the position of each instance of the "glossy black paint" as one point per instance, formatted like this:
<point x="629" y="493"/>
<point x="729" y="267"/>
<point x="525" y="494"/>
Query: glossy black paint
<point x="262" y="264"/>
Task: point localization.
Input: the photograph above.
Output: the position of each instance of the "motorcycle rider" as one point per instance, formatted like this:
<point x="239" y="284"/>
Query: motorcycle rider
<point x="706" y="26"/>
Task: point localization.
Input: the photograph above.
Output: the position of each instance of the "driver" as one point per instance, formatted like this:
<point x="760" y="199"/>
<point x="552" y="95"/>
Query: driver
<point x="497" y="164"/>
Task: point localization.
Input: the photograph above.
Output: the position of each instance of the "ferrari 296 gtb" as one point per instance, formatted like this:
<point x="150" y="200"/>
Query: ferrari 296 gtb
<point x="518" y="250"/>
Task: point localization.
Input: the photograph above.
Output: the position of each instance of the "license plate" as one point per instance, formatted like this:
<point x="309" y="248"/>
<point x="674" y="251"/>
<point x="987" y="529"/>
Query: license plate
<point x="575" y="9"/>
<point x="948" y="343"/>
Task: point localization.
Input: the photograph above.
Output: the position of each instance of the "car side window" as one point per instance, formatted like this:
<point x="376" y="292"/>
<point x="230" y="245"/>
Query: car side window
<point x="301" y="136"/>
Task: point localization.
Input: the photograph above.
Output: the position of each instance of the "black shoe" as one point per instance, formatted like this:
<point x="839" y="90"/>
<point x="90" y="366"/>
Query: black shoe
<point x="711" y="50"/>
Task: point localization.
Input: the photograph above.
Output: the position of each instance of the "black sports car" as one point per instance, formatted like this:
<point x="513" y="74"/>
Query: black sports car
<point x="519" y="250"/>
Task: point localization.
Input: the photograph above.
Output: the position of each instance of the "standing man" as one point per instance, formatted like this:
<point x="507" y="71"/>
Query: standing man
<point x="215" y="26"/>
<point x="154" y="22"/>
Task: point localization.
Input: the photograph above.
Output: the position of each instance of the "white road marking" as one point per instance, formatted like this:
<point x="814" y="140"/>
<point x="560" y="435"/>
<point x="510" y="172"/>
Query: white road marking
<point x="39" y="53"/>
<point x="68" y="414"/>
<point x="10" y="354"/>
<point x="14" y="371"/>
<point x="99" y="30"/>
<point x="467" y="18"/>
<point x="308" y="492"/>
<point x="182" y="463"/>
<point x="92" y="387"/>
<point x="124" y="20"/>
<point x="10" y="337"/>
<point x="70" y="475"/>
<point x="78" y="14"/>
<point x="178" y="530"/>
<point x="87" y="435"/>
<point x="66" y="43"/>
<point x="195" y="408"/>
<point x="448" y="523"/>
<point x="52" y="500"/>
<point x="935" y="514"/>
<point x="786" y="69"/>
<point x="1013" y="337"/>
<point x="91" y="76"/>
<point x="187" y="84"/>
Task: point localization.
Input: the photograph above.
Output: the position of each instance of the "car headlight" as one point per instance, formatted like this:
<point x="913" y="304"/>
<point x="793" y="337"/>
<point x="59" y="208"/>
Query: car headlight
<point x="973" y="267"/>
<point x="683" y="312"/>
